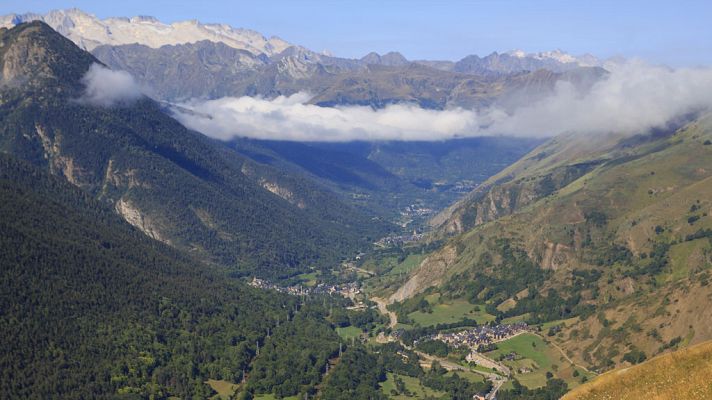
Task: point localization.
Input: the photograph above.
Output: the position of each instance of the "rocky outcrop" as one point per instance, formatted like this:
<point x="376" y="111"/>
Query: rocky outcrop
<point x="492" y="201"/>
<point x="282" y="192"/>
<point x="140" y="220"/>
<point x="431" y="272"/>
<point x="59" y="164"/>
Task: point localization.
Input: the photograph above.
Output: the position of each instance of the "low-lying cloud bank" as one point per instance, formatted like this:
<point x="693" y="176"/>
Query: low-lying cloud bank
<point x="106" y="88"/>
<point x="633" y="98"/>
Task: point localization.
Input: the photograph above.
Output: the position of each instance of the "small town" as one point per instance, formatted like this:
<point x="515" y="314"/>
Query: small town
<point x="398" y="240"/>
<point x="350" y="289"/>
<point x="415" y="210"/>
<point x="481" y="335"/>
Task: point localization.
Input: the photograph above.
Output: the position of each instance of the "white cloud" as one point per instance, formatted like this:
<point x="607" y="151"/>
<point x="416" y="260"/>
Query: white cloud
<point x="633" y="98"/>
<point x="106" y="88"/>
<point x="290" y="118"/>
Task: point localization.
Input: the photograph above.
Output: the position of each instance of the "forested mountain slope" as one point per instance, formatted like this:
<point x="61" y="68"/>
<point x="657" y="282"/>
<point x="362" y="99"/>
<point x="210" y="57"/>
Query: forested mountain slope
<point x="614" y="231"/>
<point x="176" y="185"/>
<point x="384" y="178"/>
<point x="94" y="308"/>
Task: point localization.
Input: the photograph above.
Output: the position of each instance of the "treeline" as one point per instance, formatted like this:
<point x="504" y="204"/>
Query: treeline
<point x="363" y="319"/>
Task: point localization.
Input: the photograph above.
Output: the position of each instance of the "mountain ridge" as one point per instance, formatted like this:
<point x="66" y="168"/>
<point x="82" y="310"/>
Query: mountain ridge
<point x="90" y="32"/>
<point x="176" y="185"/>
<point x="611" y="240"/>
<point x="75" y="23"/>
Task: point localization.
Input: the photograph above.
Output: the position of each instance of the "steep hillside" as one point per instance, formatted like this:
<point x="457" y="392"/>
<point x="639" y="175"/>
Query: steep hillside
<point x="177" y="186"/>
<point x="549" y="167"/>
<point x="386" y="177"/>
<point x="680" y="375"/>
<point x="614" y="238"/>
<point x="93" y="308"/>
<point x="185" y="71"/>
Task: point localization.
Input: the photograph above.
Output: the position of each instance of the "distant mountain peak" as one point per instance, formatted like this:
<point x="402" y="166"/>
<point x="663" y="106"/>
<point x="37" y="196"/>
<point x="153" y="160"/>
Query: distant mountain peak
<point x="89" y="32"/>
<point x="558" y="55"/>
<point x="392" y="59"/>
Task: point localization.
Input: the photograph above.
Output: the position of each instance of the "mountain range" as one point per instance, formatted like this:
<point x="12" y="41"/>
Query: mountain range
<point x="177" y="186"/>
<point x="188" y="60"/>
<point x="126" y="237"/>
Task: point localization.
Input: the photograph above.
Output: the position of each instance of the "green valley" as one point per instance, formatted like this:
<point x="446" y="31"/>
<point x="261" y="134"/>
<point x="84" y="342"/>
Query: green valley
<point x="192" y="210"/>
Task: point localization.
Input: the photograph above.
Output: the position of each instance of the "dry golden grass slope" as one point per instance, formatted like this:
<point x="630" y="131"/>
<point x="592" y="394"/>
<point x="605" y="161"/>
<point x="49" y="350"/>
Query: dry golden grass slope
<point x="681" y="375"/>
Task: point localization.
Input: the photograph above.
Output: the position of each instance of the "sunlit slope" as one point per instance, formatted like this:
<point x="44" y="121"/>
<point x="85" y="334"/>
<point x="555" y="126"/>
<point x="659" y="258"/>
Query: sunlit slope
<point x="619" y="239"/>
<point x="684" y="374"/>
<point x="549" y="167"/>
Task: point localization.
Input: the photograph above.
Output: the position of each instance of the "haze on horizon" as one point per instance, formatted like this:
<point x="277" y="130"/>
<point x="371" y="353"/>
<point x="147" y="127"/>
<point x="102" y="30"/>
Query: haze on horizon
<point x="674" y="34"/>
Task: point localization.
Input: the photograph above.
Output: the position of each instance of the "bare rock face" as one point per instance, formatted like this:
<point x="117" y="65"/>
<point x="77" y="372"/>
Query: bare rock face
<point x="492" y="201"/>
<point x="23" y="58"/>
<point x="88" y="31"/>
<point x="430" y="273"/>
<point x="283" y="192"/>
<point x="140" y="220"/>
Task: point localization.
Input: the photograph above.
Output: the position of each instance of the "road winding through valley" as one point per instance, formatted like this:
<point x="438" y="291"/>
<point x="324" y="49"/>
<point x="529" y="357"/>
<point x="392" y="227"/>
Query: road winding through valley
<point x="427" y="359"/>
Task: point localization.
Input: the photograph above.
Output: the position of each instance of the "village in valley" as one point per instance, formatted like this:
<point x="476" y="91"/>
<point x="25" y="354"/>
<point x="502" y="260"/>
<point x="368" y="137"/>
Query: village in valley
<point x="481" y="337"/>
<point x="478" y="344"/>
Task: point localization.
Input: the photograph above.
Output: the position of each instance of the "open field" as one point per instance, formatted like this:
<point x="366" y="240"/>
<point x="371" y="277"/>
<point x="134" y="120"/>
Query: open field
<point x="469" y="375"/>
<point x="450" y="312"/>
<point x="532" y="354"/>
<point x="565" y="322"/>
<point x="225" y="389"/>
<point x="349" y="332"/>
<point x="410" y="263"/>
<point x="412" y="385"/>
<point x="537" y="356"/>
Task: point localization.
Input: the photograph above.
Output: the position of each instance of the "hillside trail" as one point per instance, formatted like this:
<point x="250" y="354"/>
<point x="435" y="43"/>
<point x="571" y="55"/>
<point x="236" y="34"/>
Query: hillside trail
<point x="563" y="353"/>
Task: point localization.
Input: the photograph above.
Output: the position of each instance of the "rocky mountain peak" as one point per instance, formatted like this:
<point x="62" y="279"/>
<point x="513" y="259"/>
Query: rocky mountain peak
<point x="33" y="53"/>
<point x="89" y="32"/>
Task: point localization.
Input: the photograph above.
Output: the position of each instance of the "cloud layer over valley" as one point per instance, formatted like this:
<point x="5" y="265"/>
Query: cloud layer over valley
<point x="633" y="98"/>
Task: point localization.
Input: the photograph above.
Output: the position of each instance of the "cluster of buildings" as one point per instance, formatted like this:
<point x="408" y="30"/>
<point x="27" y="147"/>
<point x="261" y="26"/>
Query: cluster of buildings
<point x="465" y="186"/>
<point x="398" y="240"/>
<point x="415" y="210"/>
<point x="350" y="289"/>
<point x="482" y="335"/>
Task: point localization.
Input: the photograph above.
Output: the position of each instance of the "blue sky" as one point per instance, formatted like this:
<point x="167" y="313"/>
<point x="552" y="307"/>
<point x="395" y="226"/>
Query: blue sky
<point x="673" y="32"/>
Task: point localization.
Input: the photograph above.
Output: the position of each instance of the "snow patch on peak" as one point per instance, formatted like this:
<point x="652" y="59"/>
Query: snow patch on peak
<point x="517" y="53"/>
<point x="558" y="55"/>
<point x="88" y="31"/>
